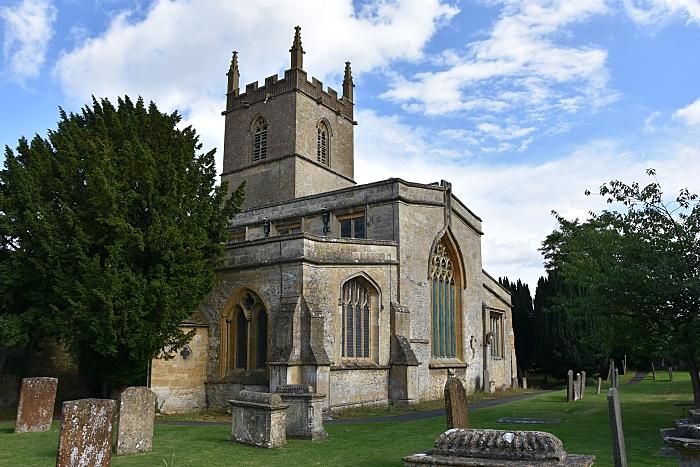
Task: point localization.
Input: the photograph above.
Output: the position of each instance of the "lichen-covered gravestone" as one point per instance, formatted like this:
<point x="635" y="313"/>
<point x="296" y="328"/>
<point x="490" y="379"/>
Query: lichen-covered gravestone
<point x="456" y="404"/>
<point x="86" y="433"/>
<point x="36" y="400"/>
<point x="137" y="410"/>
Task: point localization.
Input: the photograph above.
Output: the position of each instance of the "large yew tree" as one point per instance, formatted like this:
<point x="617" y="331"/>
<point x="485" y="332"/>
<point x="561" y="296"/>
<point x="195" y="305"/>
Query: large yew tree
<point x="640" y="264"/>
<point x="110" y="229"/>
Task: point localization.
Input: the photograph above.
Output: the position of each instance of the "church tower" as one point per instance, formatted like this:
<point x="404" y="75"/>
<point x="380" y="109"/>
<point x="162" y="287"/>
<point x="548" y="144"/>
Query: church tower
<point x="289" y="138"/>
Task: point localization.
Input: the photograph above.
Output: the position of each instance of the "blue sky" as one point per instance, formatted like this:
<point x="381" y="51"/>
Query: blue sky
<point x="522" y="105"/>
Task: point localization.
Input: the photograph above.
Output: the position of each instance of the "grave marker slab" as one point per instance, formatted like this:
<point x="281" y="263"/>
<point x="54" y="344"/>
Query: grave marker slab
<point x="86" y="433"/>
<point x="615" y="416"/>
<point x="137" y="411"/>
<point x="582" y="391"/>
<point x="37" y="397"/>
<point x="524" y="383"/>
<point x="600" y="383"/>
<point x="456" y="404"/>
<point x="570" y="386"/>
<point x="529" y="421"/>
<point x="577" y="387"/>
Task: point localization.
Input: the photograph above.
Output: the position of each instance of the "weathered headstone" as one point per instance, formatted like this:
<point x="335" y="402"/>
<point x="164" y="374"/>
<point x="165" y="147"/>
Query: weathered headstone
<point x="570" y="386"/>
<point x="86" y="433"/>
<point x="583" y="385"/>
<point x="616" y="379"/>
<point x="619" y="454"/>
<point x="524" y="383"/>
<point x="304" y="412"/>
<point x="653" y="370"/>
<point x="577" y="387"/>
<point x="670" y="373"/>
<point x="259" y="419"/>
<point x="488" y="448"/>
<point x="456" y="404"/>
<point x="37" y="397"/>
<point x="624" y="365"/>
<point x="492" y="386"/>
<point x="600" y="383"/>
<point x="137" y="411"/>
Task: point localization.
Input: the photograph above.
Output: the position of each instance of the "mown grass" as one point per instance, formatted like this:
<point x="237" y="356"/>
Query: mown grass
<point x="584" y="428"/>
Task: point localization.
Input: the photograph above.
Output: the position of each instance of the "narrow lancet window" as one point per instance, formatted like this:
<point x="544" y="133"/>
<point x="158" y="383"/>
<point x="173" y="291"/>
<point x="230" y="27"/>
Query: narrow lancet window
<point x="259" y="140"/>
<point x="322" y="147"/>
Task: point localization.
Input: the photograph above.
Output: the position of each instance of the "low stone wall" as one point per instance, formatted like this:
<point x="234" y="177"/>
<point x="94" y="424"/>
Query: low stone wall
<point x="358" y="386"/>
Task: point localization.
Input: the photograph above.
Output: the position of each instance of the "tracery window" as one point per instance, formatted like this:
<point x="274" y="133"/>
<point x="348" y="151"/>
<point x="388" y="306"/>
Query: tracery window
<point x="358" y="319"/>
<point x="259" y="139"/>
<point x="323" y="142"/>
<point x="244" y="335"/>
<point x="444" y="286"/>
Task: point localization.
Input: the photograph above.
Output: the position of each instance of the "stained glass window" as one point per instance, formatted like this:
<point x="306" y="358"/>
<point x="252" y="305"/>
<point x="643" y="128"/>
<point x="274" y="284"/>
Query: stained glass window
<point x="443" y="290"/>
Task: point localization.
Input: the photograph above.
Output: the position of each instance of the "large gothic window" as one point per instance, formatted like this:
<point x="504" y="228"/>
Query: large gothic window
<point x="259" y="139"/>
<point x="444" y="286"/>
<point x="323" y="143"/>
<point x="359" y="319"/>
<point x="244" y="334"/>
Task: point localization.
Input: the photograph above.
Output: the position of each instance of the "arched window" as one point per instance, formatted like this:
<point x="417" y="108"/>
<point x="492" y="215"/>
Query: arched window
<point x="359" y="301"/>
<point x="259" y="139"/>
<point x="243" y="334"/>
<point x="445" y="289"/>
<point x="323" y="143"/>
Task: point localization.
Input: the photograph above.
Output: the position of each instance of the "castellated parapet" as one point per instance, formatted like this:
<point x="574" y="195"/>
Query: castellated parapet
<point x="294" y="80"/>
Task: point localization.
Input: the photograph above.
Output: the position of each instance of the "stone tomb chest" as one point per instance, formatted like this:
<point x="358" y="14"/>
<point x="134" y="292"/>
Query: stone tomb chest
<point x="304" y="415"/>
<point x="491" y="448"/>
<point x="258" y="419"/>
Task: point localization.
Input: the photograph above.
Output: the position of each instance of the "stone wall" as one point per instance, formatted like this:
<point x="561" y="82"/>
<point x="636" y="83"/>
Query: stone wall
<point x="179" y="383"/>
<point x="358" y="386"/>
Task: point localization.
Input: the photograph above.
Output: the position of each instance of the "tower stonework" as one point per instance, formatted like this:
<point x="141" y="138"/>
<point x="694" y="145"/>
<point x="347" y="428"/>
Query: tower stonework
<point x="273" y="137"/>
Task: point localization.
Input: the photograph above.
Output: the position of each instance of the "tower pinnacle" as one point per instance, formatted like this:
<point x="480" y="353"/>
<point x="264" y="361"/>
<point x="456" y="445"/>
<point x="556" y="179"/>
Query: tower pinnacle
<point x="297" y="50"/>
<point x="347" y="82"/>
<point x="233" y="75"/>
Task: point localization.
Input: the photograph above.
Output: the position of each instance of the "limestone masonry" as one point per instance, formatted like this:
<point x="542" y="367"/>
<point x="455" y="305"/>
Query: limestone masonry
<point x="366" y="293"/>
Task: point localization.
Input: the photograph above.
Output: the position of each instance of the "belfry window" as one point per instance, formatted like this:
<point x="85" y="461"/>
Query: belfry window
<point x="323" y="142"/>
<point x="359" y="319"/>
<point x="259" y="139"/>
<point x="444" y="286"/>
<point x="244" y="335"/>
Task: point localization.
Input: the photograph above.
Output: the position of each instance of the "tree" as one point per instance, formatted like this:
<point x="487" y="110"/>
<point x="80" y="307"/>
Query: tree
<point x="640" y="265"/>
<point x="523" y="322"/>
<point x="110" y="230"/>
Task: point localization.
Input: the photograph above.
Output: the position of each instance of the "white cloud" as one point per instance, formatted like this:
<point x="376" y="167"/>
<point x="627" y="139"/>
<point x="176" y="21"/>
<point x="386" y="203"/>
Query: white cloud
<point x="515" y="201"/>
<point x="689" y="114"/>
<point x="538" y="76"/>
<point x="28" y="28"/>
<point x="177" y="53"/>
<point x="655" y="12"/>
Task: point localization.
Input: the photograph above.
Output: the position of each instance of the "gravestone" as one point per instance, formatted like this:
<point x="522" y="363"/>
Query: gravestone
<point x="600" y="383"/>
<point x="37" y="397"/>
<point x="86" y="433"/>
<point x="615" y="379"/>
<point x="653" y="370"/>
<point x="529" y="421"/>
<point x="137" y="411"/>
<point x="570" y="386"/>
<point x="524" y="383"/>
<point x="492" y="386"/>
<point x="582" y="391"/>
<point x="618" y="436"/>
<point x="685" y="439"/>
<point x="489" y="448"/>
<point x="670" y="373"/>
<point x="624" y="365"/>
<point x="577" y="387"/>
<point x="456" y="404"/>
<point x="259" y="419"/>
<point x="305" y="411"/>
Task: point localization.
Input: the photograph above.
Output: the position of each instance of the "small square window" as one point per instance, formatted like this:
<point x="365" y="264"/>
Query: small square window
<point x="353" y="226"/>
<point x="236" y="236"/>
<point x="289" y="229"/>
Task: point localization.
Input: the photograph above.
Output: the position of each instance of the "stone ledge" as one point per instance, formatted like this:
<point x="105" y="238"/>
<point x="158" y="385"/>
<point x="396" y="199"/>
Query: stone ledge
<point x="440" y="364"/>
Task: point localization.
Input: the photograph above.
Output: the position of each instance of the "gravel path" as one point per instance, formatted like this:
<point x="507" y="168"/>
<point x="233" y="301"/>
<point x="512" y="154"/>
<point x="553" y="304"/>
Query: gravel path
<point x="389" y="418"/>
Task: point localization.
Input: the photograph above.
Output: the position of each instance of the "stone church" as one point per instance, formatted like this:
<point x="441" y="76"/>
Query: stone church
<point x="368" y="293"/>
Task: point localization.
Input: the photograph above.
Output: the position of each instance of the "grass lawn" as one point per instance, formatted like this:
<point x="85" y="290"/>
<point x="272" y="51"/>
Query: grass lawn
<point x="584" y="429"/>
